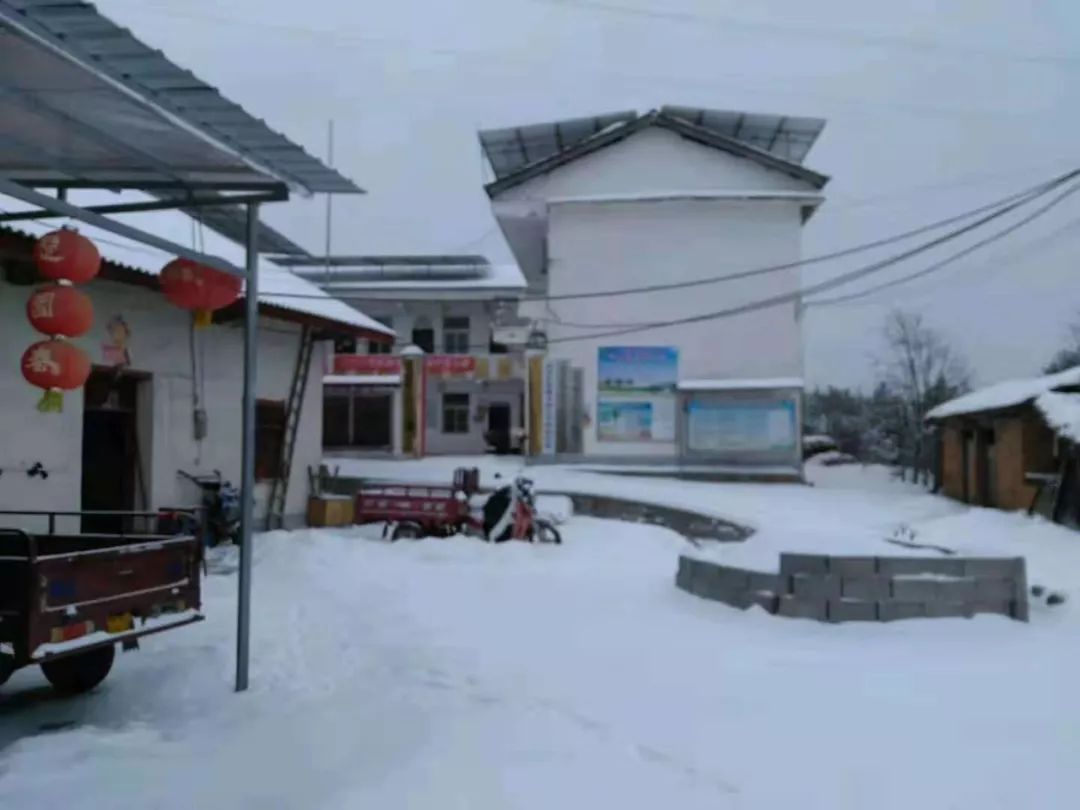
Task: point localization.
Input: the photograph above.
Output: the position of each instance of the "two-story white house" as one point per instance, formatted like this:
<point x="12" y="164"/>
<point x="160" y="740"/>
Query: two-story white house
<point x="447" y="307"/>
<point x="621" y="223"/>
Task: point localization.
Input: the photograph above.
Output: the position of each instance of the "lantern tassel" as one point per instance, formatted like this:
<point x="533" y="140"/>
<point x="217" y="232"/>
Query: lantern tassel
<point x="203" y="318"/>
<point x="52" y="401"/>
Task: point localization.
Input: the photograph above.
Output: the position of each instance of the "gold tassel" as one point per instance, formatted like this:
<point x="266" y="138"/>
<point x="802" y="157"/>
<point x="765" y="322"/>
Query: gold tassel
<point x="203" y="318"/>
<point x="52" y="401"/>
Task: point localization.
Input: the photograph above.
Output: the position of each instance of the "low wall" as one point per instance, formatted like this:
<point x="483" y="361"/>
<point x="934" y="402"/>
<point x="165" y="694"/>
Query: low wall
<point x="845" y="589"/>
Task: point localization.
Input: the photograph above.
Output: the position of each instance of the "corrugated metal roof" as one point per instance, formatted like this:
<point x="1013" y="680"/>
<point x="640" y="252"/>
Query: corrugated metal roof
<point x="85" y="103"/>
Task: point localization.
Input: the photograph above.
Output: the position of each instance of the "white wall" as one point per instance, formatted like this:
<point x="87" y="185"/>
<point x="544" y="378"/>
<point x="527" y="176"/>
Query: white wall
<point x="597" y="246"/>
<point x="481" y="394"/>
<point x="159" y="346"/>
<point x="404" y="314"/>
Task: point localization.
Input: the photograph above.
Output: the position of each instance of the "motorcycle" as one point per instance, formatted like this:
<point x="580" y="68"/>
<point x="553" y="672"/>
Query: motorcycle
<point x="220" y="508"/>
<point x="510" y="514"/>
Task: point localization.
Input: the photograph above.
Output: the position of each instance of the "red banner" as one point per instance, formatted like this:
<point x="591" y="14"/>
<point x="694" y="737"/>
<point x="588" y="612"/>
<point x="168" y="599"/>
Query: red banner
<point x="450" y="364"/>
<point x="367" y="364"/>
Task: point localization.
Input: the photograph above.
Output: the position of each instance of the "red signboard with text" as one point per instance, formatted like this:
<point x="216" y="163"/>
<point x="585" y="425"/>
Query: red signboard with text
<point x="450" y="364"/>
<point x="367" y="364"/>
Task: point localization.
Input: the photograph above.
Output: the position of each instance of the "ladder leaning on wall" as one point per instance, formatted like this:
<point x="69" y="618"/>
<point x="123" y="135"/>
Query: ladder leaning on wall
<point x="279" y="486"/>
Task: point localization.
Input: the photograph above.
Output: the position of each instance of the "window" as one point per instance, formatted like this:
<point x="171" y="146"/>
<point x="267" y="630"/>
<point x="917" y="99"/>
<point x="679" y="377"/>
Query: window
<point x="456" y="335"/>
<point x="269" y="438"/>
<point x="455" y="413"/>
<point x="496" y="348"/>
<point x="345" y="345"/>
<point x="376" y="347"/>
<point x="358" y="416"/>
<point x="424" y="338"/>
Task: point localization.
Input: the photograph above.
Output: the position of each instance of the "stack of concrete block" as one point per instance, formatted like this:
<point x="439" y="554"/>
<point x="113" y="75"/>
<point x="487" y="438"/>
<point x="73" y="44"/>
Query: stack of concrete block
<point x="844" y="589"/>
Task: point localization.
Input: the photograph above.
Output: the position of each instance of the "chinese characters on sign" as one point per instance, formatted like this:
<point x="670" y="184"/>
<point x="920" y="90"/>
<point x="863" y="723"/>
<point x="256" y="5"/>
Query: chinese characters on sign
<point x="366" y="364"/>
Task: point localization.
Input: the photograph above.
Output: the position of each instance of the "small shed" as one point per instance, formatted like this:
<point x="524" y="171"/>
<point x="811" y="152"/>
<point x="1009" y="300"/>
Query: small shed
<point x="1014" y="445"/>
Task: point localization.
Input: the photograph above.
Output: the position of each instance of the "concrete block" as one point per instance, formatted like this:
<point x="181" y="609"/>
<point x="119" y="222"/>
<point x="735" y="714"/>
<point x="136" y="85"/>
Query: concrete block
<point x="744" y="600"/>
<point x="760" y="581"/>
<point x="720" y="582"/>
<point x="853" y="566"/>
<point x="684" y="576"/>
<point x="804" y="564"/>
<point x="1002" y="607"/>
<point x="1020" y="608"/>
<point x="956" y="590"/>
<point x="893" y="610"/>
<point x="994" y="567"/>
<point x="816" y="586"/>
<point x="947" y="566"/>
<point x="846" y="610"/>
<point x="796" y="607"/>
<point x="986" y="588"/>
<point x="867" y="589"/>
<point x="949" y="610"/>
<point x="916" y="590"/>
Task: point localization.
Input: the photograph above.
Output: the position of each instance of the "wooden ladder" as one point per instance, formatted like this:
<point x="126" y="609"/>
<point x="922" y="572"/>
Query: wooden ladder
<point x="279" y="487"/>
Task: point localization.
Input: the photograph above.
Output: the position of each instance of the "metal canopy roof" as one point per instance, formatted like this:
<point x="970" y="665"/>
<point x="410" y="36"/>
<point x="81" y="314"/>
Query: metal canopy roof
<point x="785" y="136"/>
<point x="509" y="149"/>
<point x="83" y="103"/>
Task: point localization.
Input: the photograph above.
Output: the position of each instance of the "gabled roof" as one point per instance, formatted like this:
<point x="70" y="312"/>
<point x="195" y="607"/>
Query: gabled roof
<point x="1007" y="394"/>
<point x="622" y="127"/>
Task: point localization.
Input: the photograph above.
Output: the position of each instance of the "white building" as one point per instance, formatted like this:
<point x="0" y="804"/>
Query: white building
<point x="597" y="205"/>
<point x="449" y="307"/>
<point x="120" y="442"/>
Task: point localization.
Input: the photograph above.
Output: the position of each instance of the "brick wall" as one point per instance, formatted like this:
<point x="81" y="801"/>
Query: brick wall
<point x="952" y="460"/>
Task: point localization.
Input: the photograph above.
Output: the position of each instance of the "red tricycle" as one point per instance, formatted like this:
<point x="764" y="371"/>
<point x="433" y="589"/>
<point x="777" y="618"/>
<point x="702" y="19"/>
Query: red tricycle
<point x="415" y="510"/>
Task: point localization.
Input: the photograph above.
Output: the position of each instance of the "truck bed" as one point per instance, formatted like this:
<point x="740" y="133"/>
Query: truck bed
<point x="58" y="588"/>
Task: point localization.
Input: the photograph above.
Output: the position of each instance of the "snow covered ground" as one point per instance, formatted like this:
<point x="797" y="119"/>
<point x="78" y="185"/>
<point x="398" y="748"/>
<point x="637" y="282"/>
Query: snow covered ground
<point x="455" y="674"/>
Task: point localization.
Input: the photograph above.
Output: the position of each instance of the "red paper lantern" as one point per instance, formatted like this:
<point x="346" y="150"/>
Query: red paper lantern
<point x="60" y="310"/>
<point x="67" y="255"/>
<point x="56" y="366"/>
<point x="196" y="287"/>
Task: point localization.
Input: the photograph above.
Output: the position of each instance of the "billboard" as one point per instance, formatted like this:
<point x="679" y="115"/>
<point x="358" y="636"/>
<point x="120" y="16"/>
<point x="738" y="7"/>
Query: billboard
<point x="636" y="393"/>
<point x="741" y="425"/>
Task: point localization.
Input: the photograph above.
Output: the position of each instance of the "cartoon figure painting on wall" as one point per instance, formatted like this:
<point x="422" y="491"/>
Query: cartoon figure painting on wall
<point x="114" y="351"/>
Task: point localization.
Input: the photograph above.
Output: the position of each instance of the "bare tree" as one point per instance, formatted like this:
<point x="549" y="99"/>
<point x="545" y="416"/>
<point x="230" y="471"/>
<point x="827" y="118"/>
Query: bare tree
<point x="920" y="370"/>
<point x="1069" y="355"/>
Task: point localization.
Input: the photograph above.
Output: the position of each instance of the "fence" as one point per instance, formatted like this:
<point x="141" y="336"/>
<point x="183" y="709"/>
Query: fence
<point x="845" y="589"/>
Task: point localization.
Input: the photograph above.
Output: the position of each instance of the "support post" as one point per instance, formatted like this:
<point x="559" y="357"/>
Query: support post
<point x="247" y="474"/>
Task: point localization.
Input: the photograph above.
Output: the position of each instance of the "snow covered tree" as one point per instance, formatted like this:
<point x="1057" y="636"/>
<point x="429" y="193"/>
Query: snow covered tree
<point x="917" y="370"/>
<point x="1069" y="355"/>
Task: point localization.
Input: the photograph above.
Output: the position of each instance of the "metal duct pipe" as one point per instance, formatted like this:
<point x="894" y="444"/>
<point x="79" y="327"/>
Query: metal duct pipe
<point x="344" y="276"/>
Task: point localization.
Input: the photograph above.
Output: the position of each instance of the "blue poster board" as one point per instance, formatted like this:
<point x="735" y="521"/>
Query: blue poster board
<point x="636" y="393"/>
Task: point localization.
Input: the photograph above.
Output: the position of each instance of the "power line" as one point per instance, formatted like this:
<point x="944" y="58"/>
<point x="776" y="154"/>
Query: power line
<point x="860" y="37"/>
<point x="837" y="254"/>
<point x="837" y="281"/>
<point x="952" y="257"/>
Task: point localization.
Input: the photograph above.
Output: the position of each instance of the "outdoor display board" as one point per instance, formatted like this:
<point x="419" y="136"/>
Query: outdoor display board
<point x="741" y="425"/>
<point x="636" y="393"/>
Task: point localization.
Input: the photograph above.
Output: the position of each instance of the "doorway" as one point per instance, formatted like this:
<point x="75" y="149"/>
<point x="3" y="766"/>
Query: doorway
<point x="112" y="476"/>
<point x="498" y="427"/>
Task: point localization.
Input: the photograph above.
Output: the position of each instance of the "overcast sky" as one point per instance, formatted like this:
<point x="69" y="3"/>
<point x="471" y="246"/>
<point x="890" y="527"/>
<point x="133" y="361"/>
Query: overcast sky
<point x="933" y="108"/>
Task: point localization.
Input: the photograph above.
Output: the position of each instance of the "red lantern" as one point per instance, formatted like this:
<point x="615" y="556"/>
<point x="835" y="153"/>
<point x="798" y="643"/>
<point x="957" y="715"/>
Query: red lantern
<point x="196" y="287"/>
<point x="56" y="366"/>
<point x="60" y="310"/>
<point x="66" y="255"/>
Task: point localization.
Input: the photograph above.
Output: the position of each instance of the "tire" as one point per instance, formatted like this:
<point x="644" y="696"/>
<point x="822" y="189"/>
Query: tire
<point x="80" y="673"/>
<point x="545" y="532"/>
<point x="407" y="530"/>
<point x="7" y="666"/>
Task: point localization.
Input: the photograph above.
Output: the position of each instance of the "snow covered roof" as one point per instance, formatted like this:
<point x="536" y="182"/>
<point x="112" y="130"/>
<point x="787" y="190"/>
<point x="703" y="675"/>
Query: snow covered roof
<point x="741" y="385"/>
<point x="1005" y="394"/>
<point x="551" y="151"/>
<point x="1061" y="412"/>
<point x="361" y="379"/>
<point x="277" y="287"/>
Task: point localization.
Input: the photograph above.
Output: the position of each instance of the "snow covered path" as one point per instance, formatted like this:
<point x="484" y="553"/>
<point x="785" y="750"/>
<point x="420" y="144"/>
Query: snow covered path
<point x="462" y="675"/>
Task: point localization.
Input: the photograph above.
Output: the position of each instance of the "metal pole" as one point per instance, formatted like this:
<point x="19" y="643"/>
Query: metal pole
<point x="247" y="474"/>
<point x="329" y="199"/>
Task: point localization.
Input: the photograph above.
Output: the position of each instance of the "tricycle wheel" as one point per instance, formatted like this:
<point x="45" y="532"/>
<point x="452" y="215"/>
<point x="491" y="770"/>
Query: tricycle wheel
<point x="544" y="531"/>
<point x="7" y="666"/>
<point x="75" y="674"/>
<point x="408" y="530"/>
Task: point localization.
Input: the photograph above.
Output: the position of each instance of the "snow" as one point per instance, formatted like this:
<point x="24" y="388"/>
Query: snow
<point x="277" y="286"/>
<point x="689" y="194"/>
<point x="1005" y="394"/>
<point x="362" y="379"/>
<point x="500" y="277"/>
<point x="740" y="384"/>
<point x="1062" y="413"/>
<point x="456" y="673"/>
